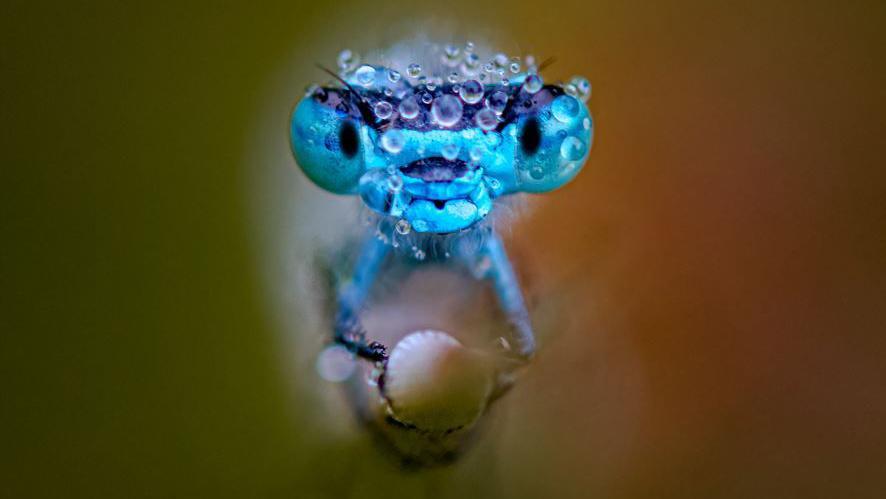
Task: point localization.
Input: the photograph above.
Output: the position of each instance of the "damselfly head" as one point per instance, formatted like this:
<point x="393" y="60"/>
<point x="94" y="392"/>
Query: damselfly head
<point x="436" y="141"/>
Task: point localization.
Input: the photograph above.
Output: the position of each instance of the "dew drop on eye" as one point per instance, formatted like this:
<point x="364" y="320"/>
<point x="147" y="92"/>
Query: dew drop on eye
<point x="565" y="108"/>
<point x="583" y="86"/>
<point x="572" y="149"/>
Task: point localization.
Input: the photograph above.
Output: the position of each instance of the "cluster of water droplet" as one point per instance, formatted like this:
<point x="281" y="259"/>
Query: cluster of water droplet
<point x="457" y="86"/>
<point x="467" y="76"/>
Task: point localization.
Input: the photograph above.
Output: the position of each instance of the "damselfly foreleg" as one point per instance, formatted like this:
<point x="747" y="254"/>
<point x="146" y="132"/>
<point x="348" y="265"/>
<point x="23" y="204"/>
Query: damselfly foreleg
<point x="510" y="297"/>
<point x="348" y="330"/>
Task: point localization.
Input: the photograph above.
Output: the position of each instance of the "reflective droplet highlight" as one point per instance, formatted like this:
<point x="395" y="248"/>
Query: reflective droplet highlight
<point x="471" y="92"/>
<point x="393" y="141"/>
<point x="572" y="149"/>
<point x="486" y="119"/>
<point x="408" y="108"/>
<point x="365" y="75"/>
<point x="402" y="227"/>
<point x="533" y="84"/>
<point x="446" y="110"/>
<point x="498" y="101"/>
<point x="383" y="109"/>
<point x="565" y="108"/>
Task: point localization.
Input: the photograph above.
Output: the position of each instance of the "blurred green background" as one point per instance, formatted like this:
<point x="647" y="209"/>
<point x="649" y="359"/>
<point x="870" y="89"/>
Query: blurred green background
<point x="728" y="232"/>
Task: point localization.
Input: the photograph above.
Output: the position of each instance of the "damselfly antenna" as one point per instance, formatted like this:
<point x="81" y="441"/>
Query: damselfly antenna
<point x="546" y="63"/>
<point x="362" y="105"/>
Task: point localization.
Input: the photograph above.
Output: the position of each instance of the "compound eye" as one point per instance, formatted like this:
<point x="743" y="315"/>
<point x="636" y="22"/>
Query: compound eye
<point x="530" y="136"/>
<point x="349" y="139"/>
<point x="326" y="141"/>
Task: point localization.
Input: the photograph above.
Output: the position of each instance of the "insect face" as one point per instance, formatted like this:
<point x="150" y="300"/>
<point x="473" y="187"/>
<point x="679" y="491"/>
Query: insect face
<point x="437" y="155"/>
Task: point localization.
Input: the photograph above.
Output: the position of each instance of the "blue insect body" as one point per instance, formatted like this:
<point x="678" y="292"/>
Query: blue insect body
<point x="433" y="159"/>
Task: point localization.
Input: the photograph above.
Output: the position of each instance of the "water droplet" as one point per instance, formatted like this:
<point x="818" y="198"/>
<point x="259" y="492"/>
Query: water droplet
<point x="365" y="75"/>
<point x="572" y="149"/>
<point x="451" y="54"/>
<point x="413" y="70"/>
<point x="515" y="65"/>
<point x="419" y="254"/>
<point x="453" y="77"/>
<point x="472" y="60"/>
<point x="335" y="364"/>
<point x="389" y="92"/>
<point x="431" y="84"/>
<point x="383" y="109"/>
<point x="395" y="182"/>
<point x="489" y="67"/>
<point x="497" y="101"/>
<point x="402" y="227"/>
<point x="446" y="110"/>
<point x="393" y="76"/>
<point x="450" y="151"/>
<point x="408" y="108"/>
<point x="486" y="119"/>
<point x="347" y="60"/>
<point x="565" y="108"/>
<point x="471" y="92"/>
<point x="583" y="86"/>
<point x="476" y="153"/>
<point x="500" y="60"/>
<point x="536" y="172"/>
<point x="393" y="141"/>
<point x="533" y="84"/>
<point x="426" y="97"/>
<point x="586" y="123"/>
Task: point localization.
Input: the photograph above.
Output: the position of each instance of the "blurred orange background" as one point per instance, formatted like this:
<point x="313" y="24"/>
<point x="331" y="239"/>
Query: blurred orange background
<point x="724" y="246"/>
